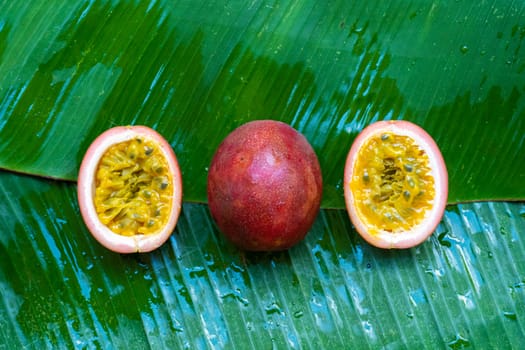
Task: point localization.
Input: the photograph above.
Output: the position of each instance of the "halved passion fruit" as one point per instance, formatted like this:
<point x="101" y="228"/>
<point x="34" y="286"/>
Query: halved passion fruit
<point x="395" y="184"/>
<point x="130" y="189"/>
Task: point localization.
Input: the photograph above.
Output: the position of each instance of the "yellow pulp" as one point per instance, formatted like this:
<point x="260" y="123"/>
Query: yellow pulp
<point x="133" y="188"/>
<point x="392" y="183"/>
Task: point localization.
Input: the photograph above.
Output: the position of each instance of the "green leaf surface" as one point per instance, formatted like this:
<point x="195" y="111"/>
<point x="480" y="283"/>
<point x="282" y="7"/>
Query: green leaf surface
<point x="194" y="70"/>
<point x="464" y="287"/>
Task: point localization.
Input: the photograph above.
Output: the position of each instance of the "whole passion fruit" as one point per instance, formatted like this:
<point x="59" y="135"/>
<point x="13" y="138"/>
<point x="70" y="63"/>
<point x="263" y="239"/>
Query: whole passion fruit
<point x="264" y="186"/>
<point x="130" y="189"/>
<point x="395" y="184"/>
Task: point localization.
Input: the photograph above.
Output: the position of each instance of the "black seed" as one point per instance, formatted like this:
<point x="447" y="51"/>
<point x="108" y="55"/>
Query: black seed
<point x="381" y="198"/>
<point x="389" y="162"/>
<point x="385" y="137"/>
<point x="408" y="167"/>
<point x="390" y="172"/>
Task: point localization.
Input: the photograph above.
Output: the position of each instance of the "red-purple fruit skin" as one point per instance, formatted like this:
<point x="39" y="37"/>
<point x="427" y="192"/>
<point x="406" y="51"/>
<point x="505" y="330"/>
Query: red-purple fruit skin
<point x="264" y="186"/>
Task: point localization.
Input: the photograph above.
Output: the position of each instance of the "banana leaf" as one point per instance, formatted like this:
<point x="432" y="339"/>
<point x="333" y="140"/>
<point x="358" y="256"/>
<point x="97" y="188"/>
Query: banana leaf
<point x="464" y="287"/>
<point x="195" y="70"/>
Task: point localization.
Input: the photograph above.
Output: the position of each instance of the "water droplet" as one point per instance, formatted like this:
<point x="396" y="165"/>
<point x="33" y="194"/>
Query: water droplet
<point x="273" y="308"/>
<point x="464" y="49"/>
<point x="237" y="295"/>
<point x="368" y="328"/>
<point x="298" y="314"/>
<point x="510" y="315"/>
<point x="467" y="300"/>
<point x="418" y="297"/>
<point x="437" y="273"/>
<point x="197" y="271"/>
<point x="443" y="239"/>
<point x="357" y="30"/>
<point x="177" y="328"/>
<point x="459" y="342"/>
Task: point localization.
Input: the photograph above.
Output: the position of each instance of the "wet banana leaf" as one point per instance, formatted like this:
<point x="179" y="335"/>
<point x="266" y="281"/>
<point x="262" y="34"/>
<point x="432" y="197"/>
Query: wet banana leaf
<point x="464" y="287"/>
<point x="194" y="70"/>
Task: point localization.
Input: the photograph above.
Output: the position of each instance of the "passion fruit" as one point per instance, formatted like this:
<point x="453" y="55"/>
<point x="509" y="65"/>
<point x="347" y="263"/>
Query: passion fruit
<point x="264" y="186"/>
<point x="395" y="184"/>
<point x="130" y="189"/>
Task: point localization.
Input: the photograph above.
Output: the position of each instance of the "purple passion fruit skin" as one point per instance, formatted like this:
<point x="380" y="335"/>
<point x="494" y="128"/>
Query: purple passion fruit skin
<point x="264" y="186"/>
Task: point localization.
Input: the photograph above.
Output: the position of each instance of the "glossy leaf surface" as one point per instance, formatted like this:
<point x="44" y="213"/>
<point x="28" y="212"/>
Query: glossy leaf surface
<point x="194" y="70"/>
<point x="464" y="287"/>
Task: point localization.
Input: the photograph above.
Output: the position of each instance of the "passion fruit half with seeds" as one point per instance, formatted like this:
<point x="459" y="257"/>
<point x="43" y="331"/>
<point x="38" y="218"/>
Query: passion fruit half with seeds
<point x="264" y="186"/>
<point x="130" y="189"/>
<point x="395" y="184"/>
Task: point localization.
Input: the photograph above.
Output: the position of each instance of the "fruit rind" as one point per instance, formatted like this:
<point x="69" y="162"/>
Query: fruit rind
<point x="86" y="185"/>
<point x="264" y="186"/>
<point x="415" y="236"/>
